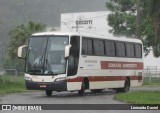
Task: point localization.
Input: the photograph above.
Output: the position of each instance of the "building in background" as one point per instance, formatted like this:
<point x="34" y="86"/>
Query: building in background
<point x="87" y="22"/>
<point x="95" y="23"/>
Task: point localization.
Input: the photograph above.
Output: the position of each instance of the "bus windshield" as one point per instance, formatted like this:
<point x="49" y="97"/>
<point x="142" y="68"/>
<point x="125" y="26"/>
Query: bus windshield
<point x="46" y="55"/>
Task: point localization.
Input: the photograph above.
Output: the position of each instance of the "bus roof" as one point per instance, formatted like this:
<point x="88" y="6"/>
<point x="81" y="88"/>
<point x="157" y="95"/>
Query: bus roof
<point x="109" y="37"/>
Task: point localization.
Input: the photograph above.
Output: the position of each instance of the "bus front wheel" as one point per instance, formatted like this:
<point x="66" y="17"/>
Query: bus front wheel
<point x="48" y="93"/>
<point x="81" y="92"/>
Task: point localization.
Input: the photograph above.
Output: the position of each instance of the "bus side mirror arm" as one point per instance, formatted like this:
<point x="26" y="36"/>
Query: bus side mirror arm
<point x="67" y="50"/>
<point x="22" y="52"/>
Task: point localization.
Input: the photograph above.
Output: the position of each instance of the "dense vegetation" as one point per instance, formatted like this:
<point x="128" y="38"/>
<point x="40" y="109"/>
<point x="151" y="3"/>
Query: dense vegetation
<point x="137" y="18"/>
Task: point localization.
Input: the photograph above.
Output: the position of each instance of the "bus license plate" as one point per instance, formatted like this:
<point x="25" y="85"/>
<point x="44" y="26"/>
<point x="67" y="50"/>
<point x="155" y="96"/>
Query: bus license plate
<point x="43" y="86"/>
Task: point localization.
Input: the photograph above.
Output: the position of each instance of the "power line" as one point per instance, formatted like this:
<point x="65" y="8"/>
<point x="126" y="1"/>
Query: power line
<point x="93" y="18"/>
<point x="67" y="26"/>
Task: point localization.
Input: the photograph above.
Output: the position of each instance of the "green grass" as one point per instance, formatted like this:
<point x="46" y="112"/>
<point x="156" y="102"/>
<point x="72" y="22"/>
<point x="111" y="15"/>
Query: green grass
<point x="141" y="97"/>
<point x="12" y="84"/>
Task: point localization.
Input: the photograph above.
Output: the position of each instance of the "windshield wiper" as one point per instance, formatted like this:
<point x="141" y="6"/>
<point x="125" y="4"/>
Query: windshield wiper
<point x="48" y="69"/>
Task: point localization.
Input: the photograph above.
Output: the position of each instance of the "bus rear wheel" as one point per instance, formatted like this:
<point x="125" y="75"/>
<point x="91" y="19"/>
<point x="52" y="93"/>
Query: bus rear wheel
<point x="48" y="93"/>
<point x="125" y="88"/>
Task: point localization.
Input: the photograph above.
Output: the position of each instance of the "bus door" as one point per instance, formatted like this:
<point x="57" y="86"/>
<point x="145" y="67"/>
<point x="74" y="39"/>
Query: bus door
<point x="73" y="82"/>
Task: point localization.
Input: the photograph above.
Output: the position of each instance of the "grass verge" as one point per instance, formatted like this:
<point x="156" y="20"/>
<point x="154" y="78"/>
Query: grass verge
<point x="140" y="97"/>
<point x="12" y="84"/>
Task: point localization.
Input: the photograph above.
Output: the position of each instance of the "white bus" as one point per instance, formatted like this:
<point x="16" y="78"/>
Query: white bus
<point x="58" y="61"/>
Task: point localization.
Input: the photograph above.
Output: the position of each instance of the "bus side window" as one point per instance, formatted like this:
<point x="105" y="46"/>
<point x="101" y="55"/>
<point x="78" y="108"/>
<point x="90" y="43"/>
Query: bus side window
<point x="98" y="47"/>
<point x="84" y="46"/>
<point x="110" y="48"/>
<point x="87" y="46"/>
<point x="120" y="49"/>
<point x="73" y="60"/>
<point x="138" y="50"/>
<point x="130" y="50"/>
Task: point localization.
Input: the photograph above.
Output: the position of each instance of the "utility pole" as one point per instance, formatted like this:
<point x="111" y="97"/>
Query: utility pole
<point x="138" y="20"/>
<point x="76" y="26"/>
<point x="1" y="48"/>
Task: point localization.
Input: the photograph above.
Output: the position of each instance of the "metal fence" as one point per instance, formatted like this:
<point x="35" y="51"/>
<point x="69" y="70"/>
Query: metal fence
<point x="151" y="75"/>
<point x="2" y="76"/>
<point x="11" y="81"/>
<point x="6" y="74"/>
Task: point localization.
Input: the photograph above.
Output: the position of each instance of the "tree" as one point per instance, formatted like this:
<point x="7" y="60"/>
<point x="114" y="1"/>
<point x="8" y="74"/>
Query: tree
<point x="20" y="35"/>
<point x="155" y="15"/>
<point x="123" y="21"/>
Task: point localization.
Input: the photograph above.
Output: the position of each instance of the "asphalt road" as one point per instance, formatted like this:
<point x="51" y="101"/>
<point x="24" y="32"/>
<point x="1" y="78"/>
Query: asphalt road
<point x="107" y="97"/>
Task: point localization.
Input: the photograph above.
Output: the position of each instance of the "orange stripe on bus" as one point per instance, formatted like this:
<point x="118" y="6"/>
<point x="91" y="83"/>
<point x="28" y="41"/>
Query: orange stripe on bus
<point x="104" y="78"/>
<point x="78" y="79"/>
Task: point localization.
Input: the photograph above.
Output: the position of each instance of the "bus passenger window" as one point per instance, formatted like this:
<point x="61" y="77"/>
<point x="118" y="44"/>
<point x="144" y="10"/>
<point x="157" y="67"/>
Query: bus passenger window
<point x="138" y="50"/>
<point x="110" y="48"/>
<point x="120" y="49"/>
<point x="130" y="50"/>
<point x="84" y="47"/>
<point x="87" y="46"/>
<point x="98" y="47"/>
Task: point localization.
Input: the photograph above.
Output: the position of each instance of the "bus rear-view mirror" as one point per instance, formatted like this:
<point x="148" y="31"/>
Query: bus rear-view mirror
<point x="22" y="51"/>
<point x="67" y="50"/>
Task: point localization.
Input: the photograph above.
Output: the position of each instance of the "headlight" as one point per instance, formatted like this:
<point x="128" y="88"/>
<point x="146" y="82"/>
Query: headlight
<point x="28" y="78"/>
<point x="60" y="79"/>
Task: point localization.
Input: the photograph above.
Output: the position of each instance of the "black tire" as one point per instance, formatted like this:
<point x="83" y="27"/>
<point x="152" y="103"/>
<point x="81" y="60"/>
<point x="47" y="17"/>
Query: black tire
<point x="125" y="88"/>
<point x="48" y="93"/>
<point x="83" y="87"/>
<point x="96" y="90"/>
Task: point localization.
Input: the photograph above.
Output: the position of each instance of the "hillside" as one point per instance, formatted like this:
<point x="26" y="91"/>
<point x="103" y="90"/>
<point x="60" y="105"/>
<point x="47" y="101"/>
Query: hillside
<point x="15" y="12"/>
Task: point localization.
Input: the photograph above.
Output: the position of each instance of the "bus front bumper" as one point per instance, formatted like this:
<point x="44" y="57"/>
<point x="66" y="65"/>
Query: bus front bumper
<point x="53" y="86"/>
